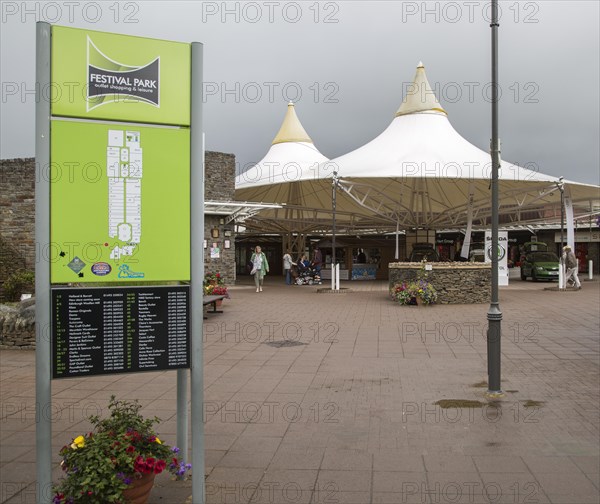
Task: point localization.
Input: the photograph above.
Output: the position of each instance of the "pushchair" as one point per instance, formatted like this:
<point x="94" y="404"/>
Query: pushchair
<point x="307" y="275"/>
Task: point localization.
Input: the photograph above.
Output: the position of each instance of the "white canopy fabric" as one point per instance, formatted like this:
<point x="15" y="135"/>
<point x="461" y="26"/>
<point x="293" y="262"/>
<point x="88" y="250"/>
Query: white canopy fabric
<point x="417" y="172"/>
<point x="292" y="157"/>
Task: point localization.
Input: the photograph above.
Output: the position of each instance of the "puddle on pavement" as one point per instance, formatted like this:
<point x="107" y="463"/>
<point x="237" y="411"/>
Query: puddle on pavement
<point x="481" y="384"/>
<point x="533" y="404"/>
<point x="462" y="403"/>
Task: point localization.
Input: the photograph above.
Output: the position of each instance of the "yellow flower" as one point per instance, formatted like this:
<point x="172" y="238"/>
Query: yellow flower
<point x="78" y="442"/>
<point x="158" y="440"/>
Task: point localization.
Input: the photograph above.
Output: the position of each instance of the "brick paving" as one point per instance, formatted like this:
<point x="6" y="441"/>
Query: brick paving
<point x="348" y="414"/>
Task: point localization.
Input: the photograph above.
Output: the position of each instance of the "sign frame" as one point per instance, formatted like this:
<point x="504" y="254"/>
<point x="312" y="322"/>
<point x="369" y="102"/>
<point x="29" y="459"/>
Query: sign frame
<point x="192" y="118"/>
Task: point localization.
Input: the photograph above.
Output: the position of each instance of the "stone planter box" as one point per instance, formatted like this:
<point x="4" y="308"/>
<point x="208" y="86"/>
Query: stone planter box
<point x="17" y="324"/>
<point x="456" y="283"/>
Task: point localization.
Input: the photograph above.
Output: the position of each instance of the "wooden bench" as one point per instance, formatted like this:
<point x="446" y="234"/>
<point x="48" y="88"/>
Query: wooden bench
<point x="212" y="300"/>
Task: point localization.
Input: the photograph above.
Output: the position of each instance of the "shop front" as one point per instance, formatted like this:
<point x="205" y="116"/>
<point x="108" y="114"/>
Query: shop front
<point x="587" y="248"/>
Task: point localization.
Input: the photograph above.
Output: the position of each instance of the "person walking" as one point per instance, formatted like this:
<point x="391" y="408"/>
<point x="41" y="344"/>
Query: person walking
<point x="570" y="262"/>
<point x="260" y="267"/>
<point x="287" y="267"/>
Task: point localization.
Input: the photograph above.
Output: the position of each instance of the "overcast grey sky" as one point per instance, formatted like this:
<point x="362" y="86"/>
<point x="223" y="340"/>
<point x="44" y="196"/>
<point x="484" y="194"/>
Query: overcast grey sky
<point x="347" y="65"/>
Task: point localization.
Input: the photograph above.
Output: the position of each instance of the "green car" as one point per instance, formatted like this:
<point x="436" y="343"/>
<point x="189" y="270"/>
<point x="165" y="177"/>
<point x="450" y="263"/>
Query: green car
<point x="540" y="266"/>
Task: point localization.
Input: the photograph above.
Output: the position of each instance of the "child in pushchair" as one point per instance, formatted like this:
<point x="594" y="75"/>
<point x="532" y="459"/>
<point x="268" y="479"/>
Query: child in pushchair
<point x="305" y="274"/>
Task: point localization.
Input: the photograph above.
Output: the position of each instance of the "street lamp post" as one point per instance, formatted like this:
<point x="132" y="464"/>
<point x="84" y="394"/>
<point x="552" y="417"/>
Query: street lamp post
<point x="494" y="315"/>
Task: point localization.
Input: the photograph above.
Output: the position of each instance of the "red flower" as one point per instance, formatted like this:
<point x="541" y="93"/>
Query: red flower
<point x="160" y="466"/>
<point x="139" y="465"/>
<point x="130" y="449"/>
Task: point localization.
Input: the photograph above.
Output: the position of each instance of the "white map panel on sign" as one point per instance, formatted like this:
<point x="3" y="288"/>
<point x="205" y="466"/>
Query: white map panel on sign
<point x="124" y="172"/>
<point x="132" y="138"/>
<point x="117" y="252"/>
<point x="135" y="162"/>
<point x="112" y="162"/>
<point x="115" y="138"/>
<point x="116" y="206"/>
<point x="124" y="232"/>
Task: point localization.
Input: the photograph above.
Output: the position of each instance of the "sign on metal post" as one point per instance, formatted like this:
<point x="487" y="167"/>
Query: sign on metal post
<point x="502" y="254"/>
<point x="114" y="204"/>
<point x="119" y="330"/>
<point x="120" y="192"/>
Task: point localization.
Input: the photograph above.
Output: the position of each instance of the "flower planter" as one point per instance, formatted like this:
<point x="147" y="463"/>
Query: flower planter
<point x="123" y="444"/>
<point x="139" y="490"/>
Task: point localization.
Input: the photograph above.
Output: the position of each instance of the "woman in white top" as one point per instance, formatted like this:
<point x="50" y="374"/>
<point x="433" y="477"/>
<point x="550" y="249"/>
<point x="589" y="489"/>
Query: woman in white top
<point x="287" y="266"/>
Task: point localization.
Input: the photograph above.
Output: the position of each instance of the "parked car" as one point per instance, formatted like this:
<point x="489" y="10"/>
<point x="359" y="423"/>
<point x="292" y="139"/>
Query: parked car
<point x="535" y="247"/>
<point x="540" y="266"/>
<point x="477" y="252"/>
<point x="422" y="251"/>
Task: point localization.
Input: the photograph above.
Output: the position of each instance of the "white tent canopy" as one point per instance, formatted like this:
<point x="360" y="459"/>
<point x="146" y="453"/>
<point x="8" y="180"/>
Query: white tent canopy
<point x="292" y="156"/>
<point x="417" y="172"/>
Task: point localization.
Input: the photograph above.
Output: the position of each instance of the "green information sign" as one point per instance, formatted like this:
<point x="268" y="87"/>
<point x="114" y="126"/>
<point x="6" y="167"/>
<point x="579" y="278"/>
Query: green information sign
<point x="120" y="202"/>
<point x="98" y="75"/>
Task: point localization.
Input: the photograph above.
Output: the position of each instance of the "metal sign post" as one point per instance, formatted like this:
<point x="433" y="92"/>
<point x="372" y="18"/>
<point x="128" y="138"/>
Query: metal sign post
<point x="197" y="240"/>
<point x="43" y="389"/>
<point x="129" y="141"/>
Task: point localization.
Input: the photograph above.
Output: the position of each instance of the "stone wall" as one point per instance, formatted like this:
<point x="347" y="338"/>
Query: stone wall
<point x="219" y="176"/>
<point x="219" y="185"/>
<point x="225" y="263"/>
<point x="17" y="325"/>
<point x="17" y="211"/>
<point x="455" y="283"/>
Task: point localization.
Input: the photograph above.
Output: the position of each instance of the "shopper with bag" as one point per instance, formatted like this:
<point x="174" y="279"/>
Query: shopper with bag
<point x="260" y="267"/>
<point x="287" y="267"/>
<point x="570" y="262"/>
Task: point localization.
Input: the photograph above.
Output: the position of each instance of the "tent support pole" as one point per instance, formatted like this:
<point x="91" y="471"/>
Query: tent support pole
<point x="333" y="204"/>
<point x="397" y="256"/>
<point x="494" y="314"/>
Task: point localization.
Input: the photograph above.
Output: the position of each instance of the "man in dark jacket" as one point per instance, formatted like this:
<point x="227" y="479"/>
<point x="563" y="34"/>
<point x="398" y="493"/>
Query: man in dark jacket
<point x="317" y="259"/>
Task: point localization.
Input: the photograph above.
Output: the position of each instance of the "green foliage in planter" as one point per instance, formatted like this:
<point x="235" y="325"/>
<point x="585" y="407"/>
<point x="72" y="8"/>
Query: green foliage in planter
<point x="20" y="282"/>
<point x="99" y="465"/>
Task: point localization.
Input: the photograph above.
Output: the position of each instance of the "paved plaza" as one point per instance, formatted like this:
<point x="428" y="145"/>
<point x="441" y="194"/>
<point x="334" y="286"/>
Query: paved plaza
<point x="350" y="398"/>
